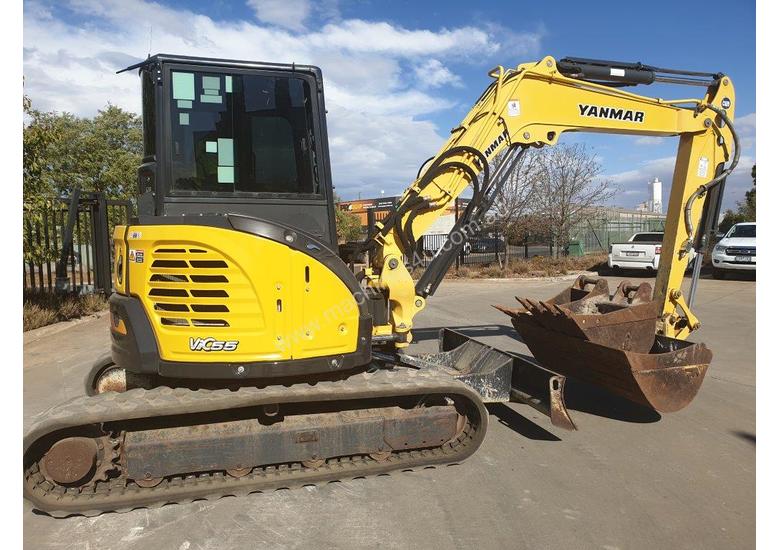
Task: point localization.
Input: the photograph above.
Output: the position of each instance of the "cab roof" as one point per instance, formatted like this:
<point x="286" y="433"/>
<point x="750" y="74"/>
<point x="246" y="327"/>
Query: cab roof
<point x="218" y="62"/>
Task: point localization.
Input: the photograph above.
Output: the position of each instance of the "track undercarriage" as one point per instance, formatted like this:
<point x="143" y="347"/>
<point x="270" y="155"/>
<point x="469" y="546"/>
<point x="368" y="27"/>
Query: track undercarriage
<point x="120" y="450"/>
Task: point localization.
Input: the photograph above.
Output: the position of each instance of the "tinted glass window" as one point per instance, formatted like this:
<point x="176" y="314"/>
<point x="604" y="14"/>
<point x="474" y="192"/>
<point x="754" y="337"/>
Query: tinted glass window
<point x="748" y="231"/>
<point x="234" y="133"/>
<point x="648" y="238"/>
<point x="149" y="123"/>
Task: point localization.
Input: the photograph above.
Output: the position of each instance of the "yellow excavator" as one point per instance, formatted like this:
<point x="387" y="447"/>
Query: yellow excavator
<point x="247" y="356"/>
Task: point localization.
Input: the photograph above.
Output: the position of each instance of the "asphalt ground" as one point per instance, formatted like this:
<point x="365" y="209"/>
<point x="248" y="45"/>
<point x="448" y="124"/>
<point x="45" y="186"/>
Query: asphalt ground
<point x="626" y="479"/>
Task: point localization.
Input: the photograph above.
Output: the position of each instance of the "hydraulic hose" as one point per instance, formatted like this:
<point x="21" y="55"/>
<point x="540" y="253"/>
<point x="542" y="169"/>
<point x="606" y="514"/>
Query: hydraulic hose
<point x="406" y="234"/>
<point x="415" y="203"/>
<point x="702" y="189"/>
<point x="434" y="273"/>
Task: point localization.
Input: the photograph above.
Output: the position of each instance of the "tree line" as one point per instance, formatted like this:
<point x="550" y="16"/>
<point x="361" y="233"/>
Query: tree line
<point x="63" y="151"/>
<point x="746" y="209"/>
<point x="549" y="192"/>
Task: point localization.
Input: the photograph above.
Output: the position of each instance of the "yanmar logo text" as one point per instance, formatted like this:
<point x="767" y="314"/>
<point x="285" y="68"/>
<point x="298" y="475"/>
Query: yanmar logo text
<point x="504" y="136"/>
<point x="610" y="113"/>
<point x="212" y="344"/>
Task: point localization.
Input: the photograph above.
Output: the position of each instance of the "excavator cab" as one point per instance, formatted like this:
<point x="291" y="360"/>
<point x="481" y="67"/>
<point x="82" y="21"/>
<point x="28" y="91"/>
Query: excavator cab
<point x="235" y="137"/>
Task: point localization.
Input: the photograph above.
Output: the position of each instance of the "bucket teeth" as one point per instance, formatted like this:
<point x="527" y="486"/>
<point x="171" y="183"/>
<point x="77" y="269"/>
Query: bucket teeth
<point x="610" y="340"/>
<point x="512" y="312"/>
<point x="525" y="302"/>
<point x="522" y="302"/>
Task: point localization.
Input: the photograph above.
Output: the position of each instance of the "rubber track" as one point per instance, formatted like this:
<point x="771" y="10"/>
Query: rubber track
<point x="121" y="495"/>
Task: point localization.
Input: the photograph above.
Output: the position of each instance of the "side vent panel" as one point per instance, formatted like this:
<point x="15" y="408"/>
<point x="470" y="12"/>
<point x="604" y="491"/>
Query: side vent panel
<point x="188" y="287"/>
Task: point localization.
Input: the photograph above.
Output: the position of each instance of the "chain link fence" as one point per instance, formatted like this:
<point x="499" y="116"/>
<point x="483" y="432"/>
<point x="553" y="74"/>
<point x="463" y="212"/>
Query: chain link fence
<point x="592" y="235"/>
<point x="597" y="233"/>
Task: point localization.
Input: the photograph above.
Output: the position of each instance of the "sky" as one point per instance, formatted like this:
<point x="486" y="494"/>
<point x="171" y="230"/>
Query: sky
<point x="398" y="75"/>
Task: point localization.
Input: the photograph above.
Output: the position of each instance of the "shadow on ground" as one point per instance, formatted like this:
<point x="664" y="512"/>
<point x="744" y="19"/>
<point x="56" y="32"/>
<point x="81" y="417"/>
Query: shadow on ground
<point x="749" y="437"/>
<point x="583" y="397"/>
<point x="518" y="423"/>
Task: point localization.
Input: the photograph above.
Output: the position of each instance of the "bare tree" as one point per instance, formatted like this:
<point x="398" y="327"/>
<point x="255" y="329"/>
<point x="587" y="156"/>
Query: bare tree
<point x="568" y="188"/>
<point x="516" y="200"/>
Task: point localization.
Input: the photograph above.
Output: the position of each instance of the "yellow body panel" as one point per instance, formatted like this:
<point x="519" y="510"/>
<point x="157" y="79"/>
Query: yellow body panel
<point x="120" y="260"/>
<point x="205" y="282"/>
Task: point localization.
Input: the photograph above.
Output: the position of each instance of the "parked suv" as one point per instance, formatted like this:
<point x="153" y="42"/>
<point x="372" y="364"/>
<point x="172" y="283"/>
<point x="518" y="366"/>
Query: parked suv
<point x="736" y="251"/>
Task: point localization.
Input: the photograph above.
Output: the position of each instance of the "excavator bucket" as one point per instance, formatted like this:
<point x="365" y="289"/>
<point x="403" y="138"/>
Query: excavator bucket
<point x="611" y="342"/>
<point x="583" y="287"/>
<point x="625" y="320"/>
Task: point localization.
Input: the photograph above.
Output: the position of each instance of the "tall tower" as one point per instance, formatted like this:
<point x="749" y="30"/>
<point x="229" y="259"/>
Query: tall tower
<point x="655" y="189"/>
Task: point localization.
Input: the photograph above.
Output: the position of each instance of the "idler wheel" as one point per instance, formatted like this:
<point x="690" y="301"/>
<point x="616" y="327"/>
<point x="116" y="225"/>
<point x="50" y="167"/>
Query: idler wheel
<point x="148" y="482"/>
<point x="113" y="378"/>
<point x="238" y="472"/>
<point x="70" y="461"/>
<point x="313" y="463"/>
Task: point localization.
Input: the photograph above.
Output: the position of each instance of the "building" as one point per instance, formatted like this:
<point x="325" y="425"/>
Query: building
<point x="382" y="206"/>
<point x="654" y="203"/>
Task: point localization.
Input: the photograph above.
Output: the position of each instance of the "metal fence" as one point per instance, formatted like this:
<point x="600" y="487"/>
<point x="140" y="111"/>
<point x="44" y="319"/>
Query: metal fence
<point x="69" y="243"/>
<point x="482" y="250"/>
<point x="598" y="233"/>
<point x="592" y="235"/>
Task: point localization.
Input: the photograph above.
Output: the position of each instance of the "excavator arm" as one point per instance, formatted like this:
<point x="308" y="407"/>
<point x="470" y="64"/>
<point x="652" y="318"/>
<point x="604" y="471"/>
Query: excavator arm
<point x="531" y="106"/>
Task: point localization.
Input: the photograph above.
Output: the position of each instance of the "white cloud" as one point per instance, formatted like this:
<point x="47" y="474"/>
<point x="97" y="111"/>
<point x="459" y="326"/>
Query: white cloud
<point x="432" y="74"/>
<point x="746" y="130"/>
<point x="632" y="184"/>
<point x="515" y="45"/>
<point x="382" y="37"/>
<point x="368" y="157"/>
<point x="649" y="140"/>
<point x="653" y="167"/>
<point x="289" y="14"/>
<point x="378" y="107"/>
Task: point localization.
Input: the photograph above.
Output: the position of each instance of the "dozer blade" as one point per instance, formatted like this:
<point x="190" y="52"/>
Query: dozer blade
<point x="498" y="376"/>
<point x="611" y="342"/>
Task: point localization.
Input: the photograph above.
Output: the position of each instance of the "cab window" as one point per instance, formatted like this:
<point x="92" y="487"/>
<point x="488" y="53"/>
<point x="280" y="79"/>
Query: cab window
<point x="241" y="134"/>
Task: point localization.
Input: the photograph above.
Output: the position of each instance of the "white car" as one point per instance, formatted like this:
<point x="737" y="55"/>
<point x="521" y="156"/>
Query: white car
<point x="641" y="251"/>
<point x="736" y="251"/>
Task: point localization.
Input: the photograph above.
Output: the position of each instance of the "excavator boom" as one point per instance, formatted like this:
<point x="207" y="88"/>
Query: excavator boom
<point x="532" y="105"/>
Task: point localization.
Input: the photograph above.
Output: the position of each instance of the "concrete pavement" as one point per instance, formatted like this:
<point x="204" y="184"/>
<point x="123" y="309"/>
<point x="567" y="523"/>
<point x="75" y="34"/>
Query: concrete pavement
<point x="626" y="479"/>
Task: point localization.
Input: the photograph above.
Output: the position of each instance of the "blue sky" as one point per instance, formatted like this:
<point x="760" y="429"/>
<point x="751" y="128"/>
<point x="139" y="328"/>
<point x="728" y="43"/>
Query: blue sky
<point x="384" y="116"/>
